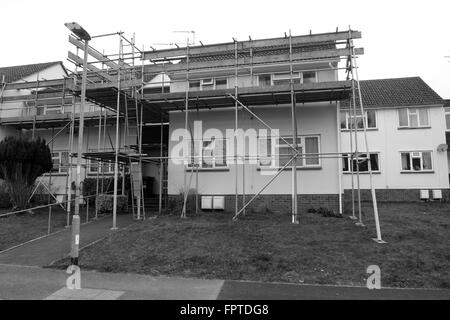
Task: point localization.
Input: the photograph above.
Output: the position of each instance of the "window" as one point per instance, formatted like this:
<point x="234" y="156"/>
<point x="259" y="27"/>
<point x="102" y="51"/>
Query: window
<point x="413" y="117"/>
<point x="213" y="153"/>
<point x="265" y="80"/>
<point x="285" y="78"/>
<point x="447" y="118"/>
<point x="348" y="122"/>
<point x="208" y="84"/>
<point x="308" y="147"/>
<point x="309" y="77"/>
<point x="43" y="110"/>
<point x="106" y="167"/>
<point x="350" y="164"/>
<point x="416" y="161"/>
<point x="60" y="161"/>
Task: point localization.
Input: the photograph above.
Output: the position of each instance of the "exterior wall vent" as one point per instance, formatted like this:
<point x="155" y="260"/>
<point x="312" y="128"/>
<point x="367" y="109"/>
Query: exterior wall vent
<point x="424" y="195"/>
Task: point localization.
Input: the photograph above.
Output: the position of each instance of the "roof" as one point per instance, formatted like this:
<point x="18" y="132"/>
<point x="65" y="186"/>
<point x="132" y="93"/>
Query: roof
<point x="263" y="51"/>
<point x="16" y="73"/>
<point x="396" y="92"/>
<point x="447" y="103"/>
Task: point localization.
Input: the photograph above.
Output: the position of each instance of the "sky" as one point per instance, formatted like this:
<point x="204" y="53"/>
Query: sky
<point x="400" y="38"/>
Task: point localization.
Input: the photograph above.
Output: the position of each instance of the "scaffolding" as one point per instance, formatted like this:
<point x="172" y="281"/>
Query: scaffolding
<point x="119" y="87"/>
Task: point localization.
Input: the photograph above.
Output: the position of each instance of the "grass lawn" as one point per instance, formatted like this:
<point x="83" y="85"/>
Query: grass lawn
<point x="16" y="229"/>
<point x="267" y="247"/>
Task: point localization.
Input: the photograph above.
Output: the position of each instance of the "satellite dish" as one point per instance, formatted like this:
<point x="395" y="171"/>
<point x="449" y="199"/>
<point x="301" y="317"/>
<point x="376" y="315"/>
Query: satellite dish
<point x="442" y="147"/>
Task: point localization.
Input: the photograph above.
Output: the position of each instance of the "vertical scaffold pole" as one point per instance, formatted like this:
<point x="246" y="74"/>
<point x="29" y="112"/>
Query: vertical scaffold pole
<point x="186" y="144"/>
<point x="116" y="162"/>
<point x="369" y="164"/>
<point x="161" y="168"/>
<point x="236" y="168"/>
<point x="69" y="174"/>
<point x="294" y="137"/>
<point x="339" y="149"/>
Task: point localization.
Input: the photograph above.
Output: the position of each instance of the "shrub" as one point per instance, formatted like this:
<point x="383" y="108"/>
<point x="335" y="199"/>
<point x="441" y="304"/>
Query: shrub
<point x="104" y="203"/>
<point x="5" y="200"/>
<point x="22" y="161"/>
<point x="324" y="212"/>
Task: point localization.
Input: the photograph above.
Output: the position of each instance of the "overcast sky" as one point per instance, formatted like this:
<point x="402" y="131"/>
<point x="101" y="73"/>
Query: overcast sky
<point x="400" y="38"/>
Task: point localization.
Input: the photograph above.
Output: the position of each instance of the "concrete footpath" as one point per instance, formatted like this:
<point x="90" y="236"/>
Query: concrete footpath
<point x="57" y="245"/>
<point x="25" y="282"/>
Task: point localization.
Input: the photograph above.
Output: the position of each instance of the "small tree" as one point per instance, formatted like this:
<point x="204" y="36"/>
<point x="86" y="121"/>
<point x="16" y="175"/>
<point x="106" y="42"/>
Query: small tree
<point x="22" y="161"/>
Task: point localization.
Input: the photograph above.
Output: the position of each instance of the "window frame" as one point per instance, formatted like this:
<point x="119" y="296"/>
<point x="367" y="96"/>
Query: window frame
<point x="207" y="86"/>
<point x="295" y="75"/>
<point x="350" y="165"/>
<point x="200" y="160"/>
<point x="446" y="113"/>
<point x="275" y="152"/>
<point x="90" y="166"/>
<point x="348" y="119"/>
<point x="59" y="157"/>
<point x="411" y="170"/>
<point x="408" y="112"/>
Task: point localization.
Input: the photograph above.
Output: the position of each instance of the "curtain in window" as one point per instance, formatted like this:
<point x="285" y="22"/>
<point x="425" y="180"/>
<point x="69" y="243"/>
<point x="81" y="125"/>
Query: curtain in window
<point x="403" y="117"/>
<point x="423" y="117"/>
<point x="405" y="162"/>
<point x="426" y="157"/>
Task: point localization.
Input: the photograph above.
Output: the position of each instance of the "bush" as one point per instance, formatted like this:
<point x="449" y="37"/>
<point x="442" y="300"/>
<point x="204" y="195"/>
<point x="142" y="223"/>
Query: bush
<point x="22" y="161"/>
<point x="104" y="203"/>
<point x="5" y="200"/>
<point x="324" y="212"/>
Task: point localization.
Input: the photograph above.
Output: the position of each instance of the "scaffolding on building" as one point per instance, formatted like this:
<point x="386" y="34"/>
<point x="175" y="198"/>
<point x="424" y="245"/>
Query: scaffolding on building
<point x="118" y="85"/>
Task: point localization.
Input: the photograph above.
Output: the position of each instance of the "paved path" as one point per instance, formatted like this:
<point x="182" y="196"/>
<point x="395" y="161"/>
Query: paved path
<point x="57" y="246"/>
<point x="21" y="282"/>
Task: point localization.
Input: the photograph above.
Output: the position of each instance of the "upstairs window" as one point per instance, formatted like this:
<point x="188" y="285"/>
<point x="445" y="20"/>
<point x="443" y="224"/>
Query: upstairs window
<point x="208" y="84"/>
<point x="350" y="164"/>
<point x="416" y="161"/>
<point x="447" y="118"/>
<point x="413" y="117"/>
<point x="107" y="167"/>
<point x="348" y="121"/>
<point x="309" y="77"/>
<point x="285" y="78"/>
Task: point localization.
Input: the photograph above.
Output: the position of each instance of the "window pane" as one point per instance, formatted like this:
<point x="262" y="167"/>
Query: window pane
<point x="374" y="162"/>
<point x="281" y="82"/>
<point x="265" y="80"/>
<point x="413" y="117"/>
<point x="416" y="163"/>
<point x="312" y="146"/>
<point x="447" y="121"/>
<point x="403" y="117"/>
<point x="423" y="117"/>
<point x="221" y="83"/>
<point x="405" y="161"/>
<point x="345" y="162"/>
<point x="194" y="85"/>
<point x="343" y="119"/>
<point x="265" y="147"/>
<point x="220" y="153"/>
<point x="207" y="153"/>
<point x="284" y="155"/>
<point x="309" y="77"/>
<point x="426" y="157"/>
<point x="363" y="163"/>
<point x="371" y="119"/>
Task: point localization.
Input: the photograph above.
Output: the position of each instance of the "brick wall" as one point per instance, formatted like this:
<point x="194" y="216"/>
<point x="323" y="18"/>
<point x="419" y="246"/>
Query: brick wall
<point x="392" y="195"/>
<point x="272" y="202"/>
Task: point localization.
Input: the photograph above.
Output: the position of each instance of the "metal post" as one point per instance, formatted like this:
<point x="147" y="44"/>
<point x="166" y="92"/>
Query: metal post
<point x="236" y="168"/>
<point x="80" y="131"/>
<point x="294" y="137"/>
<point x="69" y="174"/>
<point x="160" y="169"/>
<point x="186" y="190"/>
<point x="116" y="163"/>
<point x="339" y="147"/>
<point x="369" y="164"/>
